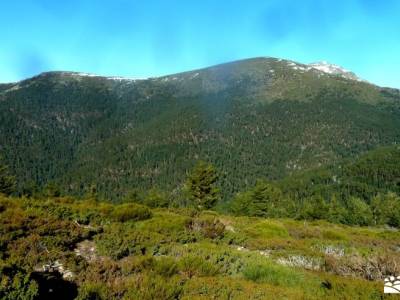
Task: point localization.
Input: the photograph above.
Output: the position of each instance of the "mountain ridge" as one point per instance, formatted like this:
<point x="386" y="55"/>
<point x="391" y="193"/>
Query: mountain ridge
<point x="255" y="118"/>
<point x="322" y="66"/>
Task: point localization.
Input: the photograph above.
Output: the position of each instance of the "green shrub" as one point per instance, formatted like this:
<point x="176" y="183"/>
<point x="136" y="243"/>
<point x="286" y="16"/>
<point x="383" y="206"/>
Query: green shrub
<point x="119" y="243"/>
<point x="266" y="229"/>
<point x="152" y="286"/>
<point x="16" y="284"/>
<point x="192" y="265"/>
<point x="156" y="198"/>
<point x="165" y="266"/>
<point x="136" y="264"/>
<point x="131" y="212"/>
<point x="334" y="235"/>
<point x="266" y="272"/>
<point x="209" y="227"/>
<point x="92" y="291"/>
<point x="358" y="212"/>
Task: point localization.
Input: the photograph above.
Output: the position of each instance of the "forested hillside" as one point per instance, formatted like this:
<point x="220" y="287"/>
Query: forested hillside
<point x="374" y="172"/>
<point x="257" y="118"/>
<point x="361" y="191"/>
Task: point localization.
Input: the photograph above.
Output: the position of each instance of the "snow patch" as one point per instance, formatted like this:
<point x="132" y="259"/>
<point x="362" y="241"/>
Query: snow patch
<point x="333" y="69"/>
<point x="301" y="68"/>
<point x="116" y="78"/>
<point x="324" y="68"/>
<point x="166" y="78"/>
<point x="14" y="88"/>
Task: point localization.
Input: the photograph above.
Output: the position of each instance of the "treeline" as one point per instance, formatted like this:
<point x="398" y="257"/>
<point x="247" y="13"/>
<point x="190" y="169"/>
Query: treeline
<point x="374" y="172"/>
<point x="361" y="192"/>
<point x="268" y="200"/>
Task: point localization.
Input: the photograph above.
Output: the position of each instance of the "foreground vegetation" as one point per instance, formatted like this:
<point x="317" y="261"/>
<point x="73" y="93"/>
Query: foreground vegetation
<point x="86" y="249"/>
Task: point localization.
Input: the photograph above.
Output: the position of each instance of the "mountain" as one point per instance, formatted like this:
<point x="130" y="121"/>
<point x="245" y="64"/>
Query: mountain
<point x="255" y="118"/>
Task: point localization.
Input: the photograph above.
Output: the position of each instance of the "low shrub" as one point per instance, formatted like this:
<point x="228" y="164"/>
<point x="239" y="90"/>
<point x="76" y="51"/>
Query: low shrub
<point x="118" y="245"/>
<point x="209" y="227"/>
<point x="165" y="266"/>
<point x="263" y="231"/>
<point x="92" y="291"/>
<point x="151" y="286"/>
<point x="334" y="235"/>
<point x="191" y="265"/>
<point x="16" y="284"/>
<point x="131" y="212"/>
<point x="266" y="272"/>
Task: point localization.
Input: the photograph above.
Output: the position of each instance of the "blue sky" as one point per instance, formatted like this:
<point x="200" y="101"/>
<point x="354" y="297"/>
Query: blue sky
<point x="153" y="37"/>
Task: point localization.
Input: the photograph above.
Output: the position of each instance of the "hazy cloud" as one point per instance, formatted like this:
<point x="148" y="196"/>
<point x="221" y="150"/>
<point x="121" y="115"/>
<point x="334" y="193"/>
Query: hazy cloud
<point x="30" y="63"/>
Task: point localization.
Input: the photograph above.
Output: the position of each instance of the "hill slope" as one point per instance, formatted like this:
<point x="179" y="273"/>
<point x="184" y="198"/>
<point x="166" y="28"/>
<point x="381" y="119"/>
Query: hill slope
<point x="254" y="118"/>
<point x="372" y="173"/>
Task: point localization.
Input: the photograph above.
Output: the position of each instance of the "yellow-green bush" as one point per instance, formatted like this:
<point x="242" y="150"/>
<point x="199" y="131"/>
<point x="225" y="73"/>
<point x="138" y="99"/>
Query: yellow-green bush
<point x="130" y="212"/>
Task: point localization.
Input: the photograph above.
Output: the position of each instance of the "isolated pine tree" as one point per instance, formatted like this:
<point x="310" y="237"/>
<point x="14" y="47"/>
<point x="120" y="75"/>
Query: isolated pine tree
<point x="201" y="186"/>
<point x="264" y="199"/>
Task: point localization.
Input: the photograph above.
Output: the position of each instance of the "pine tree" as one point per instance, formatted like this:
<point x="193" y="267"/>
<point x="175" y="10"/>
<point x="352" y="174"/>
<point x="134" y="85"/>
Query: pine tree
<point x="264" y="199"/>
<point x="241" y="204"/>
<point x="51" y="190"/>
<point x="201" y="186"/>
<point x="378" y="210"/>
<point x="358" y="212"/>
<point x="7" y="182"/>
<point x="336" y="211"/>
<point x="314" y="208"/>
<point x="386" y="209"/>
